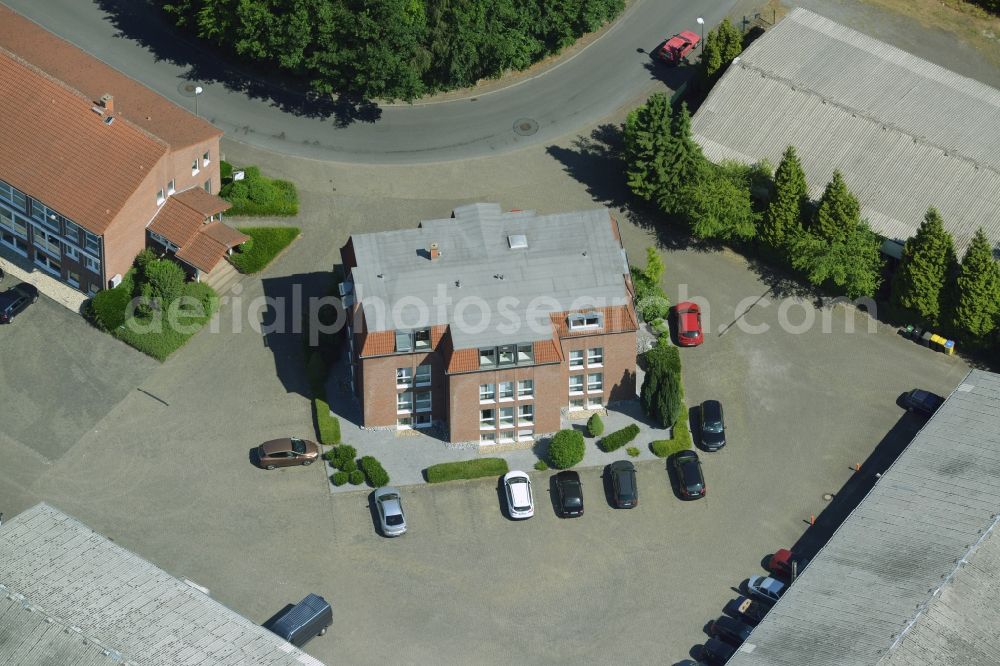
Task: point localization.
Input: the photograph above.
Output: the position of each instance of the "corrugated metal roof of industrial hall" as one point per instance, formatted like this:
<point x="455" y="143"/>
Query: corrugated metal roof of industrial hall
<point x="70" y="596"/>
<point x="911" y="576"/>
<point x="906" y="134"/>
<point x="572" y="261"/>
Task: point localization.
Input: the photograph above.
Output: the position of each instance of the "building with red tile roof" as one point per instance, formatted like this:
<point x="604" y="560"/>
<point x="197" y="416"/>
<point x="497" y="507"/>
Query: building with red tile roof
<point x="490" y="324"/>
<point x="89" y="159"/>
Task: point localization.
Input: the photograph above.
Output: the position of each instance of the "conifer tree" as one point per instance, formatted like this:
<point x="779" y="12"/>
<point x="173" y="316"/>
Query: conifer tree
<point x="785" y="213"/>
<point x="838" y="213"/>
<point x="647" y="144"/>
<point x="927" y="265"/>
<point x="978" y="289"/>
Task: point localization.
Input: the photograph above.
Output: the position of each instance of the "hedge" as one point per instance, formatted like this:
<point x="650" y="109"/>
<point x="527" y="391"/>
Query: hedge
<point x="466" y="469"/>
<point x="258" y="195"/>
<point x="619" y="438"/>
<point x="316" y="372"/>
<point x="541" y="465"/>
<point x="566" y="449"/>
<point x="633" y="451"/>
<point x="327" y="425"/>
<point x="374" y="472"/>
<point x="680" y="441"/>
<point x="164" y="340"/>
<point x="347" y="465"/>
<point x="338" y="478"/>
<point x="357" y="477"/>
<point x="595" y="426"/>
<point x="338" y="454"/>
<point x="264" y="245"/>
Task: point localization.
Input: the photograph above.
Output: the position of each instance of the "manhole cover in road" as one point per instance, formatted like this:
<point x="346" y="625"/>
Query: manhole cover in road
<point x="525" y="127"/>
<point x="828" y="497"/>
<point x="188" y="89"/>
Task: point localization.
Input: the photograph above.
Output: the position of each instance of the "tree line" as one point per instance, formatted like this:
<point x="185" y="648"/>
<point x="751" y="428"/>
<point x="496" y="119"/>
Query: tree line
<point x="826" y="241"/>
<point x="392" y="49"/>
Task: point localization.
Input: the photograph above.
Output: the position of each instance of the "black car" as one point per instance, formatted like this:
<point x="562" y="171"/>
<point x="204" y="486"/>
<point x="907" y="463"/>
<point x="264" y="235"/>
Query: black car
<point x="717" y="652"/>
<point x="15" y="299"/>
<point x="746" y="610"/>
<point x="731" y="630"/>
<point x="713" y="425"/>
<point x="570" y="493"/>
<point x="690" y="480"/>
<point x="624" y="489"/>
<point x="922" y="402"/>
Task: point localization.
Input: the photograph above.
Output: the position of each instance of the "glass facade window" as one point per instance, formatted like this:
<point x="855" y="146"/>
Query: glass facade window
<point x="422" y="339"/>
<point x="423" y="401"/>
<point x="506" y="390"/>
<point x="584" y="320"/>
<point x="404" y="401"/>
<point x="93" y="265"/>
<point x="487" y="393"/>
<point x="506" y="416"/>
<point x="595" y="356"/>
<point x="92" y="243"/>
<point x="576" y="383"/>
<point x="576" y="358"/>
<point x="525" y="388"/>
<point x="404" y="376"/>
<point x="488" y="437"/>
<point x="423" y="376"/>
<point x="71" y="252"/>
<point x="487" y="357"/>
<point x="507" y="354"/>
<point x="487" y="418"/>
<point x="595" y="382"/>
<point x="525" y="414"/>
<point x="525" y="353"/>
<point x="71" y="232"/>
<point x="171" y="188"/>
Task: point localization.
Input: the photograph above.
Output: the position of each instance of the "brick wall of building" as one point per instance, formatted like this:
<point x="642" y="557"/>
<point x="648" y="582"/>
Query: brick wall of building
<point x="617" y="367"/>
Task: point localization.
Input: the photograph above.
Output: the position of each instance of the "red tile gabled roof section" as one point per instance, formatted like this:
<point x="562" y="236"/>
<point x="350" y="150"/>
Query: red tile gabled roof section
<point x="176" y="222"/>
<point x="54" y="147"/>
<point x="205" y="251"/>
<point x="378" y="343"/>
<point x="200" y="245"/>
<point x="224" y="235"/>
<point x="133" y="101"/>
<point x="617" y="319"/>
<point x="198" y="199"/>
<point x="548" y="351"/>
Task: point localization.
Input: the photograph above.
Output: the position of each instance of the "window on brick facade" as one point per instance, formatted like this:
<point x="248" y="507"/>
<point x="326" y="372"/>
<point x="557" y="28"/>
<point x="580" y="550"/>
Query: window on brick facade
<point x="487" y="392"/>
<point x="159" y="197"/>
<point x="584" y="320"/>
<point x="487" y="357"/>
<point x="404" y="401"/>
<point x="205" y="159"/>
<point x="576" y="358"/>
<point x="423" y="401"/>
<point x="595" y="403"/>
<point x="525" y="388"/>
<point x="422" y="339"/>
<point x="194" y="166"/>
<point x="488" y="437"/>
<point x="487" y="418"/>
<point x="92" y="243"/>
<point x="171" y="187"/>
<point x="595" y="382"/>
<point x="423" y="376"/>
<point x="525" y="353"/>
<point x="525" y="414"/>
<point x="506" y="435"/>
<point x="576" y="383"/>
<point x="506" y="416"/>
<point x="404" y="376"/>
<point x="506" y="390"/>
<point x="507" y="355"/>
<point x="595" y="356"/>
<point x="524" y="435"/>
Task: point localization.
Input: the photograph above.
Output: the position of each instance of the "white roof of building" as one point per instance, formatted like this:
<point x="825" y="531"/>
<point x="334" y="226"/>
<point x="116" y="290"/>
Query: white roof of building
<point x="570" y="261"/>
<point x="905" y="133"/>
<point x="70" y="596"/>
<point x="912" y="575"/>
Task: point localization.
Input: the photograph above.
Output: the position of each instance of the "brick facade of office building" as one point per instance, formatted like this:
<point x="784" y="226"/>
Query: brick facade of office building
<point x="488" y="393"/>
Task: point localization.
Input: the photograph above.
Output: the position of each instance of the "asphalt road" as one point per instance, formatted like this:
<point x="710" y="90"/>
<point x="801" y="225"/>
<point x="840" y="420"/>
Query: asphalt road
<point x="613" y="71"/>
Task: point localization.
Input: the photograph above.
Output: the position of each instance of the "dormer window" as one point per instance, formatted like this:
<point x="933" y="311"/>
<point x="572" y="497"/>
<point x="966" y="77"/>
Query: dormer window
<point x="194" y="166"/>
<point x="159" y="197"/>
<point x="170" y="187"/>
<point x="584" y="320"/>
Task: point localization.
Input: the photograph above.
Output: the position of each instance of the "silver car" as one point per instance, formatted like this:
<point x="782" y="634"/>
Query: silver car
<point x="390" y="511"/>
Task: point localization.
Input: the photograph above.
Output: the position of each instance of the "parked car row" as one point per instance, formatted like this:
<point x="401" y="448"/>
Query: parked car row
<point x="742" y="614"/>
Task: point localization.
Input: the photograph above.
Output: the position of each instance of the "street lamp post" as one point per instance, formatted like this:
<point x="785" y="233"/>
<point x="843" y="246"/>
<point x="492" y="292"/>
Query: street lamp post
<point x="701" y="22"/>
<point x="197" y="91"/>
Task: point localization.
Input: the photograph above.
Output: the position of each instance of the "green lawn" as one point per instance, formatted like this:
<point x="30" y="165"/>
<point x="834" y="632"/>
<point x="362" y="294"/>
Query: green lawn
<point x="258" y="195"/>
<point x="160" y="336"/>
<point x="264" y="245"/>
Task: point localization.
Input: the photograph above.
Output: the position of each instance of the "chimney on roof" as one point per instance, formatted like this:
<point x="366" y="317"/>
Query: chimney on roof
<point x="108" y="102"/>
<point x="435" y="252"/>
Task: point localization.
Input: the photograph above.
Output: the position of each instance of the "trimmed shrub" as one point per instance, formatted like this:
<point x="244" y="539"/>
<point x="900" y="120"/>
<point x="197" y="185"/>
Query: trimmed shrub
<point x="259" y="195"/>
<point x="632" y="451"/>
<point x="317" y="371"/>
<point x="595" y="426"/>
<point x="566" y="449"/>
<point x="347" y="465"/>
<point x="339" y="454"/>
<point x="143" y="260"/>
<point x="680" y="441"/>
<point x="165" y="278"/>
<point x="619" y="438"/>
<point x="338" y="478"/>
<point x="374" y="472"/>
<point x="357" y="477"/>
<point x="466" y="469"/>
<point x="327" y="425"/>
<point x="541" y="466"/>
<point x="264" y="245"/>
<point x="108" y="308"/>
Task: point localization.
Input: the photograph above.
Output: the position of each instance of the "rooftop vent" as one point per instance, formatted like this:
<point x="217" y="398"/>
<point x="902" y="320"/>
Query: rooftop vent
<point x="108" y="102"/>
<point x="517" y="241"/>
<point x="435" y="251"/>
<point x="109" y="120"/>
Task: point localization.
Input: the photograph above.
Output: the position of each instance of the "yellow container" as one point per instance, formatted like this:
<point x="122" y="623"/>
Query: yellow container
<point x="938" y="339"/>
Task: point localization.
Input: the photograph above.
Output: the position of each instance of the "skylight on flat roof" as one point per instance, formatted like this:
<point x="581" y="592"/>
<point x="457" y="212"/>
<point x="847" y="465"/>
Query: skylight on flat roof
<point x="517" y="241"/>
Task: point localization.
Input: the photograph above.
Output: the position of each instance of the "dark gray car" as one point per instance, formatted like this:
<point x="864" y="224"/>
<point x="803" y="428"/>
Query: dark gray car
<point x="624" y="487"/>
<point x="713" y="425"/>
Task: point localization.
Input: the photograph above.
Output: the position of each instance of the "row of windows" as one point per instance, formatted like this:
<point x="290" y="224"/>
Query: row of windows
<point x="489" y="392"/>
<point x="411" y="341"/>
<point x="415" y="421"/>
<point x="506" y="436"/>
<point x="488" y="417"/>
<point x="506" y="355"/>
<point x="46" y="241"/>
<point x="48" y="219"/>
<point x="595" y="357"/>
<point x="595" y="383"/>
<point x="406" y="377"/>
<point x="410" y="401"/>
<point x="585" y="320"/>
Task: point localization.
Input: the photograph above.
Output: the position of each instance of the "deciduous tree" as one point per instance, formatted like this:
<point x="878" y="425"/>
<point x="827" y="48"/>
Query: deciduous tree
<point x="852" y="263"/>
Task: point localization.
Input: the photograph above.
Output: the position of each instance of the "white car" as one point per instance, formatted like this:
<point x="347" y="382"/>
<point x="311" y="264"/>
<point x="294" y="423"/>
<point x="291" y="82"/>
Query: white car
<point x="517" y="487"/>
<point x="766" y="588"/>
<point x="390" y="511"/>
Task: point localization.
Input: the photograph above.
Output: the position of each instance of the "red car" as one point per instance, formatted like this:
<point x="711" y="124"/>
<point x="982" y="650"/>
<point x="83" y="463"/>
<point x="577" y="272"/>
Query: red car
<point x="689" y="325"/>
<point x="781" y="564"/>
<point x="678" y="47"/>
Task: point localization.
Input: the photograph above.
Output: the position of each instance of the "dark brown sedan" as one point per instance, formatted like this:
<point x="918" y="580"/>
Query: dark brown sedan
<point x="287" y="452"/>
